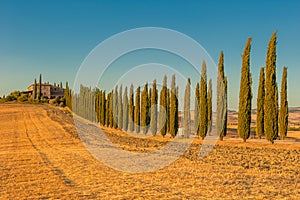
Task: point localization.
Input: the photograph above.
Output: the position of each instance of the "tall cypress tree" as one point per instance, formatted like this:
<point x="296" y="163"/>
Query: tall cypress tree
<point x="153" y="118"/>
<point x="107" y="111"/>
<point x="163" y="108"/>
<point x="120" y="109"/>
<point x="144" y="108"/>
<point x="40" y="88"/>
<point x="34" y="90"/>
<point x="209" y="106"/>
<point x="125" y="110"/>
<point x="244" y="116"/>
<point x="115" y="107"/>
<point x="131" y="110"/>
<point x="111" y="110"/>
<point x="176" y="109"/>
<point x="173" y="108"/>
<point x="221" y="118"/>
<point x="186" y="111"/>
<point x="168" y="109"/>
<point x="203" y="103"/>
<point x="103" y="107"/>
<point x="284" y="109"/>
<point x="271" y="105"/>
<point x="260" y="104"/>
<point x="196" y="112"/>
<point x="137" y="114"/>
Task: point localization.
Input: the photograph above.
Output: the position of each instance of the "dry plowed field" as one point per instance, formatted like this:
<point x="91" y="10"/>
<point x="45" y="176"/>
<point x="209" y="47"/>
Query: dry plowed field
<point x="41" y="157"/>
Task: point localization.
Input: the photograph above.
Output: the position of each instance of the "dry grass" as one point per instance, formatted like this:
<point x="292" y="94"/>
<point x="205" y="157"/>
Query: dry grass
<point x="42" y="158"/>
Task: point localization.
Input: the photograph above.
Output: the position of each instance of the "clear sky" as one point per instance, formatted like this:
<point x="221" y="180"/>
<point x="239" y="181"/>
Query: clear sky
<point x="54" y="37"/>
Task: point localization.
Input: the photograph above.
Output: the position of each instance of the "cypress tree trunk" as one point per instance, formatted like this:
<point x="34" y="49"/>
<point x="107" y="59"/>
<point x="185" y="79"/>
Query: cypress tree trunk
<point x="221" y="118"/>
<point x="196" y="112"/>
<point x="163" y="108"/>
<point x="244" y="116"/>
<point x="120" y="109"/>
<point x="260" y="104"/>
<point x="173" y="108"/>
<point x="271" y="106"/>
<point x="186" y="112"/>
<point x="209" y="106"/>
<point x="144" y="108"/>
<point x="137" y="116"/>
<point x="284" y="109"/>
<point x="203" y="102"/>
<point x="131" y="110"/>
<point x="125" y="110"/>
<point x="153" y="118"/>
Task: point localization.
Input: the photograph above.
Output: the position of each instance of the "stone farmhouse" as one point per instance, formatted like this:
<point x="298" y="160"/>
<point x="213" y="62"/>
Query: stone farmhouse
<point x="48" y="90"/>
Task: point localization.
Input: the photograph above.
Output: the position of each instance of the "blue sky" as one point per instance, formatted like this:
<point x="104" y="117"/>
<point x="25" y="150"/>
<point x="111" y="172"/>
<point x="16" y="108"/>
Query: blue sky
<point x="54" y="37"/>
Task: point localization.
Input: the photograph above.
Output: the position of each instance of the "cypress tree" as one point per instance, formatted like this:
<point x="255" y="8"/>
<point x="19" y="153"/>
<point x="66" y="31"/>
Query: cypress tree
<point x="284" y="109"/>
<point x="221" y="118"/>
<point x="176" y="109"/>
<point x="60" y="85"/>
<point x="34" y="90"/>
<point x="209" y="106"/>
<point x="40" y="88"/>
<point x="196" y="112"/>
<point x="163" y="108"/>
<point x="107" y="111"/>
<point x="125" y="110"/>
<point x="137" y="114"/>
<point x="115" y="107"/>
<point x="103" y="107"/>
<point x="168" y="110"/>
<point x="131" y="110"/>
<point x="203" y="103"/>
<point x="173" y="108"/>
<point x="244" y="116"/>
<point x="120" y="109"/>
<point x="111" y="110"/>
<point x="153" y="118"/>
<point x="270" y="120"/>
<point x="260" y="104"/>
<point x="144" y="108"/>
<point x="186" y="112"/>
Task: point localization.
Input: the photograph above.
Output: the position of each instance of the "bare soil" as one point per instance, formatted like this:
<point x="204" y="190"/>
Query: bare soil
<point x="42" y="157"/>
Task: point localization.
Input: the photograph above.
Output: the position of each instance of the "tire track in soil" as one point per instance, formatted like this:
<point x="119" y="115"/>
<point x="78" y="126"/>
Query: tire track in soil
<point x="60" y="173"/>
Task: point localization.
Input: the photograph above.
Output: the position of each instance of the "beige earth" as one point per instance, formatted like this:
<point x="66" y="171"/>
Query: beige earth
<point x="42" y="157"/>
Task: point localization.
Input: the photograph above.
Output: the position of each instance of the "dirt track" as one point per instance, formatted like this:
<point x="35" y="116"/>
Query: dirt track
<point x="42" y="158"/>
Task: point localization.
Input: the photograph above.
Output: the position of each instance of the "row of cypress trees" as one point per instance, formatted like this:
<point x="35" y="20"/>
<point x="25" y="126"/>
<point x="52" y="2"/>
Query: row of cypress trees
<point x="269" y="116"/>
<point x="141" y="114"/>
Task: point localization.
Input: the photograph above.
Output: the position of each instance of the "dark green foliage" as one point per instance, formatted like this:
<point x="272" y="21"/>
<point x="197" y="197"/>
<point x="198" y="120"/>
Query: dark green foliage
<point x="221" y="118"/>
<point x="144" y="109"/>
<point x="244" y="116"/>
<point x="163" y="108"/>
<point x="173" y="109"/>
<point x="120" y="109"/>
<point x="203" y="122"/>
<point x="196" y="112"/>
<point x="125" y="110"/>
<point x="271" y="104"/>
<point x="107" y="110"/>
<point x="111" y="111"/>
<point x="168" y="110"/>
<point x="115" y="107"/>
<point x="131" y="110"/>
<point x="260" y="104"/>
<point x="153" y="118"/>
<point x="40" y="88"/>
<point x="34" y="90"/>
<point x="209" y="106"/>
<point x="68" y="96"/>
<point x="186" y="111"/>
<point x="137" y="114"/>
<point x="284" y="109"/>
<point x="103" y="108"/>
